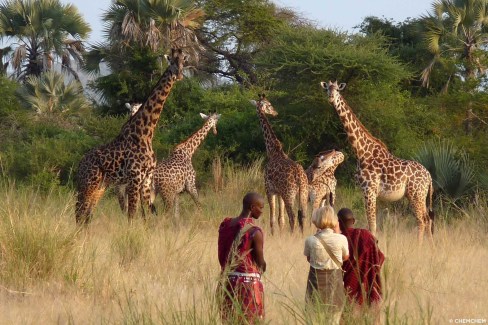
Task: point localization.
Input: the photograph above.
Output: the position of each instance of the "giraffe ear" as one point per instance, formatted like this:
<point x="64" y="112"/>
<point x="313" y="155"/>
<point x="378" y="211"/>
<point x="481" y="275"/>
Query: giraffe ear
<point x="342" y="86"/>
<point x="253" y="102"/>
<point x="127" y="105"/>
<point x="166" y="56"/>
<point x="204" y="116"/>
<point x="323" y="84"/>
<point x="218" y="116"/>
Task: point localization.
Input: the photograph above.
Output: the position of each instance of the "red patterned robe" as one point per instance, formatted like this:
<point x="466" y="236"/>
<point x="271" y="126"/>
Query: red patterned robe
<point x="243" y="296"/>
<point x="362" y="279"/>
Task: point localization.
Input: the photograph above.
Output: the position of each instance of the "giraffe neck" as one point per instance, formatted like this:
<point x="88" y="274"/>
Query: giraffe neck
<point x="362" y="142"/>
<point x="273" y="145"/>
<point x="141" y="125"/>
<point x="190" y="145"/>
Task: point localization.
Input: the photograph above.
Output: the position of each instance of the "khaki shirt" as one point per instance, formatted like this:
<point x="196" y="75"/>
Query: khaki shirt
<point x="319" y="258"/>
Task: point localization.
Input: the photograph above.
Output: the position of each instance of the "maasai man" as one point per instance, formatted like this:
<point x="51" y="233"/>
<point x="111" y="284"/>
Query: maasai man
<point x="240" y="249"/>
<point x="362" y="271"/>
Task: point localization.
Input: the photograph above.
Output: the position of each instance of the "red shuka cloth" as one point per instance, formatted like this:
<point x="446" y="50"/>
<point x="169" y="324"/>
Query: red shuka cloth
<point x="248" y="292"/>
<point x="362" y="270"/>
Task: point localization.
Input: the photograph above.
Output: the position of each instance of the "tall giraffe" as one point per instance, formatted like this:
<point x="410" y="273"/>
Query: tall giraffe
<point x="321" y="179"/>
<point x="176" y="173"/>
<point x="129" y="158"/>
<point x="379" y="173"/>
<point x="283" y="177"/>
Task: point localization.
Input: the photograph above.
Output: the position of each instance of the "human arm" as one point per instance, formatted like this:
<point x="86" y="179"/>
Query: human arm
<point x="258" y="251"/>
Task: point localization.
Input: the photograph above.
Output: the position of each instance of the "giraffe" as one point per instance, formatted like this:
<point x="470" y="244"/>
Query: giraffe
<point x="120" y="189"/>
<point x="321" y="179"/>
<point x="379" y="173"/>
<point x="176" y="173"/>
<point x="283" y="177"/>
<point x="133" y="108"/>
<point x="129" y="158"/>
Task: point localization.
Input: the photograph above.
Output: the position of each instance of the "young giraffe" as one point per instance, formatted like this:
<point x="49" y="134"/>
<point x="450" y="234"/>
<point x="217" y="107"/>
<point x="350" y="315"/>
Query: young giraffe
<point x="321" y="179"/>
<point x="176" y="173"/>
<point x="129" y="158"/>
<point x="379" y="173"/>
<point x="282" y="176"/>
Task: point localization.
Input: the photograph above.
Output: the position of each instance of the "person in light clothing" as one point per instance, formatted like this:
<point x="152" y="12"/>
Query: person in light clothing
<point x="326" y="251"/>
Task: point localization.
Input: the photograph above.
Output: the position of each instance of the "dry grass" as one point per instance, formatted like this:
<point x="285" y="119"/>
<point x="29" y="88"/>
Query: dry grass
<point x="165" y="272"/>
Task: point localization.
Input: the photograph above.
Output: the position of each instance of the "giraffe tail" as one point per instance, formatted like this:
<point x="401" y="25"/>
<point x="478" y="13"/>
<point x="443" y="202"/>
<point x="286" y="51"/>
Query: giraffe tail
<point x="431" y="211"/>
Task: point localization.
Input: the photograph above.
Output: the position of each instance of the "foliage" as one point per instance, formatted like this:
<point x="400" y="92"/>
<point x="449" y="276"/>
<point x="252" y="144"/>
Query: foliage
<point x="311" y="55"/>
<point x="48" y="93"/>
<point x="455" y="33"/>
<point x="40" y="29"/>
<point x="133" y="73"/>
<point x="137" y="35"/>
<point x="234" y="32"/>
<point x="153" y="23"/>
<point x="452" y="172"/>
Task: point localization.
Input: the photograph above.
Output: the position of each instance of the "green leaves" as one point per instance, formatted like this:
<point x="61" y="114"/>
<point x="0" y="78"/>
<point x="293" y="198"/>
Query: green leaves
<point x="49" y="94"/>
<point x="452" y="171"/>
<point x="42" y="27"/>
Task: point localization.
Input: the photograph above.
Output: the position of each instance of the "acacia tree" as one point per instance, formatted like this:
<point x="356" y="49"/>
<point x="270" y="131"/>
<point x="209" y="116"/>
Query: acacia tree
<point x="42" y="30"/>
<point x="455" y="33"/>
<point x="235" y="31"/>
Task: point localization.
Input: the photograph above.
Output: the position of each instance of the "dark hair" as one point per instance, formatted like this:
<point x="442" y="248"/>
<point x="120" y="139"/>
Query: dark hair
<point x="251" y="198"/>
<point x="345" y="214"/>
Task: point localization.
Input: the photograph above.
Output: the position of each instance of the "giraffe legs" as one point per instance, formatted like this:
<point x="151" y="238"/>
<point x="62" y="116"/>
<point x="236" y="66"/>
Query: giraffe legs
<point x="133" y="192"/>
<point x="122" y="198"/>
<point x="281" y="215"/>
<point x="370" y="200"/>
<point x="90" y="190"/>
<point x="192" y="190"/>
<point x="271" y="201"/>
<point x="424" y="221"/>
<point x="291" y="214"/>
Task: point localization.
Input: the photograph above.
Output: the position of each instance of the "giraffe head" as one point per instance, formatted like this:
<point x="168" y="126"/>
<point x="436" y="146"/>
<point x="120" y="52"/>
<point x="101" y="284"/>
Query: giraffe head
<point x="176" y="61"/>
<point x="211" y="120"/>
<point x="264" y="106"/>
<point x="332" y="89"/>
<point x="323" y="161"/>
<point x="133" y="108"/>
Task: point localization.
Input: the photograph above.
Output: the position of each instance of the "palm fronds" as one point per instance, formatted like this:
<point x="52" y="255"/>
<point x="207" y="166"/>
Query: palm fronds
<point x="452" y="172"/>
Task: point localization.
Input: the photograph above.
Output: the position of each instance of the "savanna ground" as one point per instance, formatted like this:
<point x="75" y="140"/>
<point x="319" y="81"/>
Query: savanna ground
<point x="165" y="271"/>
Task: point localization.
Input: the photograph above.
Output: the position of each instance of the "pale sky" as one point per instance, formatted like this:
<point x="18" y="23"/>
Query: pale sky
<point x="337" y="14"/>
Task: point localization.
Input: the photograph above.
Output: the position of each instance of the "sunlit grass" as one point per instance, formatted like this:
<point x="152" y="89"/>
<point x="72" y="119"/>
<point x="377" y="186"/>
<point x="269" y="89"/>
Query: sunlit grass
<point x="165" y="271"/>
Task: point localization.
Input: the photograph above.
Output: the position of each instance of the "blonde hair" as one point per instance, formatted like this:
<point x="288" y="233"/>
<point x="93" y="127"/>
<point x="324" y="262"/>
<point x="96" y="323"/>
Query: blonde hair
<point x="324" y="217"/>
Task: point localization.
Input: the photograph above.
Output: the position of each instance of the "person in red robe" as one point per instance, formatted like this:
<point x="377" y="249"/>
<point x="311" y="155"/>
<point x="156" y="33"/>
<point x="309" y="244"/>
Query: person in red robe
<point x="362" y="278"/>
<point x="240" y="252"/>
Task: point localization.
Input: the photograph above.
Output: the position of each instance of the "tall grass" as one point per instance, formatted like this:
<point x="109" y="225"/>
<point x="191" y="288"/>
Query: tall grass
<point x="165" y="272"/>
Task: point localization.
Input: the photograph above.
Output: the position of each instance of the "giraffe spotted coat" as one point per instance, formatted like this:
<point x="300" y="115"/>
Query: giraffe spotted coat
<point x="380" y="174"/>
<point x="129" y="159"/>
<point x="283" y="177"/>
<point x="176" y="173"/>
<point x="321" y="178"/>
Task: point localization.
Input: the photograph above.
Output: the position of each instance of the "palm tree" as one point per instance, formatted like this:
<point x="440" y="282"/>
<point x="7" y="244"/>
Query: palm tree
<point x="138" y="33"/>
<point x="49" y="93"/>
<point x="456" y="32"/>
<point x="154" y="23"/>
<point x="42" y="30"/>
